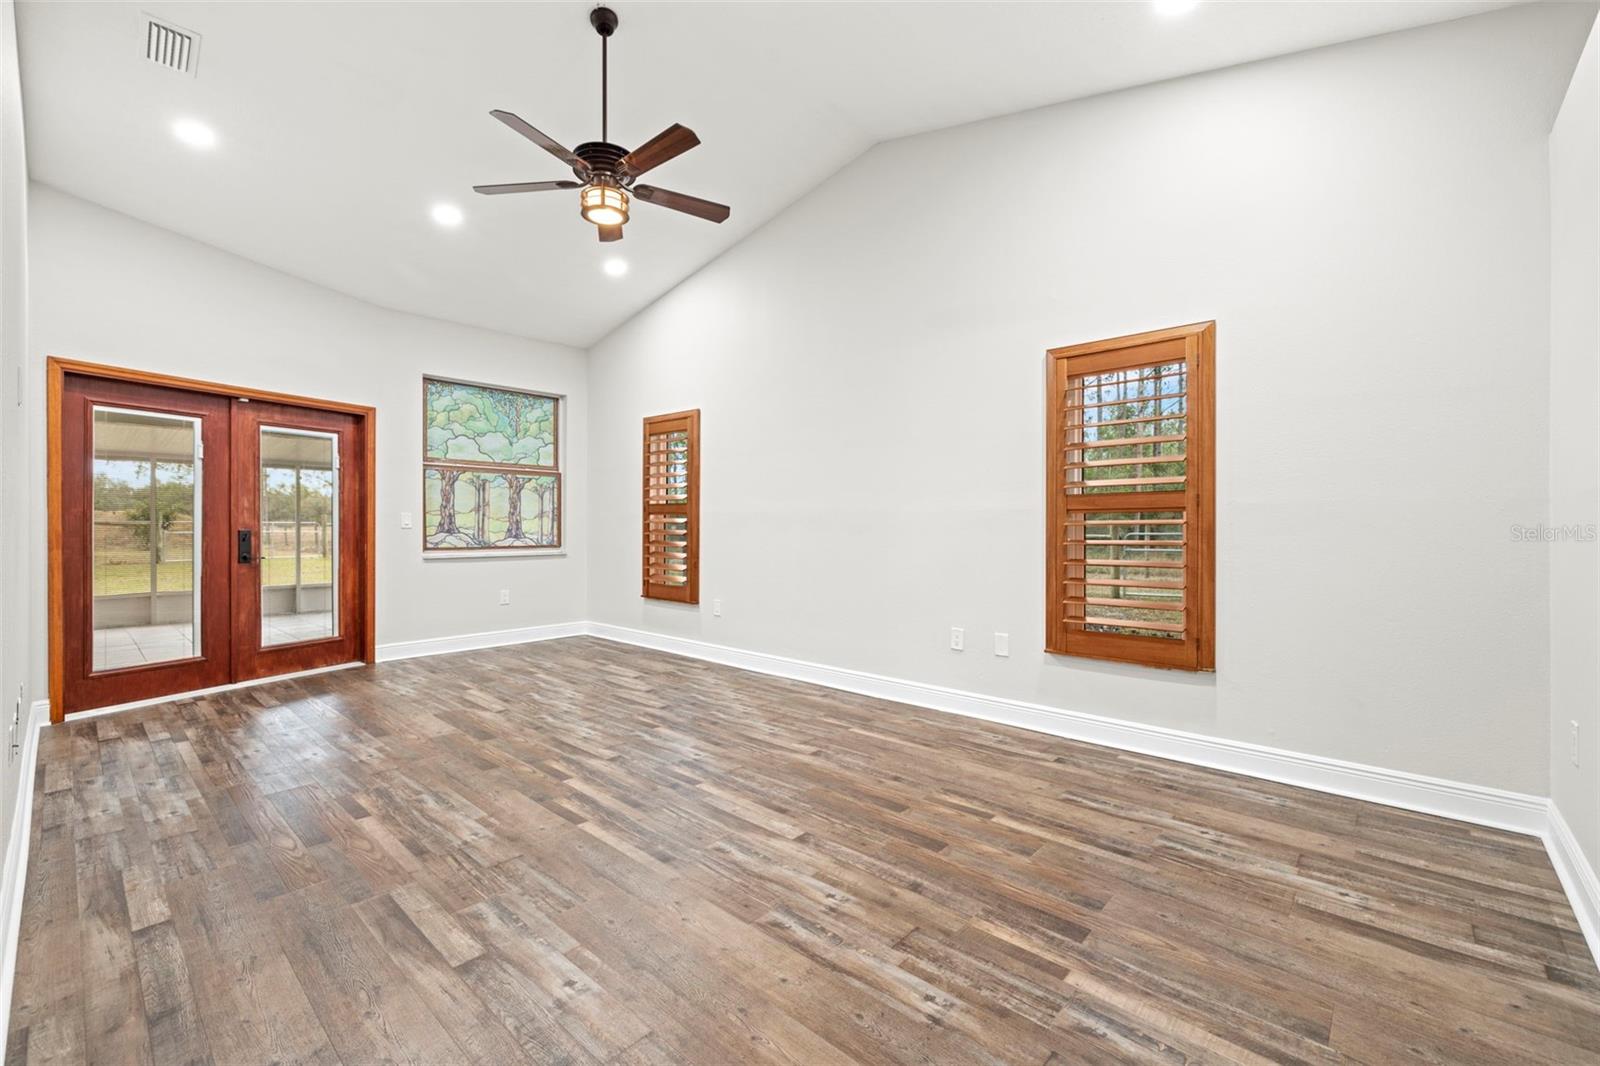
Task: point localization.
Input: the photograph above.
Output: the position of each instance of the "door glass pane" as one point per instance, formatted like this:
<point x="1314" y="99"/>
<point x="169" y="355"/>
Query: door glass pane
<point x="146" y="521"/>
<point x="299" y="536"/>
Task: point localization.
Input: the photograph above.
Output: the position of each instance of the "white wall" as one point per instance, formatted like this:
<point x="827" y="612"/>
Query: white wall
<point x="110" y="289"/>
<point x="1367" y="223"/>
<point x="1575" y="451"/>
<point x="16" y="619"/>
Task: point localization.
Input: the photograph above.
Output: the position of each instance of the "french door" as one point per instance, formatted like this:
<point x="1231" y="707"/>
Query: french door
<point x="200" y="539"/>
<point x="295" y="591"/>
<point x="145" y="600"/>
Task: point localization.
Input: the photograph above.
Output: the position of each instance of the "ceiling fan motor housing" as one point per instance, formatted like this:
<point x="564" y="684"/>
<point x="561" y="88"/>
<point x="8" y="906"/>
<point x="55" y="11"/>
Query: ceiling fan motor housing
<point x="601" y="157"/>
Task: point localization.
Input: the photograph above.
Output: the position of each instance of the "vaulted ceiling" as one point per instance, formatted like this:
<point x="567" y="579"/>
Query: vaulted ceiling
<point x="341" y="124"/>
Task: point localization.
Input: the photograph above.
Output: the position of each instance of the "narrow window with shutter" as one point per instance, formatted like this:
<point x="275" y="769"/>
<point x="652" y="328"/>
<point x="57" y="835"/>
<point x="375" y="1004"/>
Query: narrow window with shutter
<point x="672" y="507"/>
<point x="1130" y="553"/>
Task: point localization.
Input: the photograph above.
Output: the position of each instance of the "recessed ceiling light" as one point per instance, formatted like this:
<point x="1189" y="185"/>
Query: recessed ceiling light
<point x="1171" y="8"/>
<point x="194" y="133"/>
<point x="615" y="267"/>
<point x="447" y="214"/>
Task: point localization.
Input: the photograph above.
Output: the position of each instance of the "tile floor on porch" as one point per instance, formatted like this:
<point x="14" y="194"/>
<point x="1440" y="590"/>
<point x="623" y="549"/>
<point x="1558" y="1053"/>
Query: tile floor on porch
<point x="123" y="646"/>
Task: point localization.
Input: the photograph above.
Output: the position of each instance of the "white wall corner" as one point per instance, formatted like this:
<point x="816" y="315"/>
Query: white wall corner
<point x="1577" y="876"/>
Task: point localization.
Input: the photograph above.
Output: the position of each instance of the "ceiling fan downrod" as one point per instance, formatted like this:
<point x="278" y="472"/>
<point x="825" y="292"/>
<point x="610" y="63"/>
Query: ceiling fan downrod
<point x="604" y="21"/>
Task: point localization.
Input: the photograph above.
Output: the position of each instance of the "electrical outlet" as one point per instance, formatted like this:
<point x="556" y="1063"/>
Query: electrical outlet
<point x="1574" y="725"/>
<point x="405" y="519"/>
<point x="505" y="597"/>
<point x="716" y="608"/>
<point x="958" y="638"/>
<point x="1002" y="645"/>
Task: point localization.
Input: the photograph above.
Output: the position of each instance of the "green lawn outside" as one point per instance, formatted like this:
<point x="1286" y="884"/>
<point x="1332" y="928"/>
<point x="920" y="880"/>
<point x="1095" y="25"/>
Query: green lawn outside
<point x="314" y="570"/>
<point x="128" y="578"/>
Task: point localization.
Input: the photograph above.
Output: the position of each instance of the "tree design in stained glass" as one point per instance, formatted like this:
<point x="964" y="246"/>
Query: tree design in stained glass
<point x="478" y="424"/>
<point x="491" y="472"/>
<point x="482" y="509"/>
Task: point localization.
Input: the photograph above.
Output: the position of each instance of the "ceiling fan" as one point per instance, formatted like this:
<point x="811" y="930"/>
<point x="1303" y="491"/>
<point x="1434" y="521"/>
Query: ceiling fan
<point x="607" y="172"/>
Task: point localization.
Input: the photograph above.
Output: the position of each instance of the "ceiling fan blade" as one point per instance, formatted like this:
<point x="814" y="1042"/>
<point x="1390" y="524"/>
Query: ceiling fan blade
<point x="526" y="186"/>
<point x="677" y="201"/>
<point x="541" y="140"/>
<point x="668" y="144"/>
<point x="610" y="233"/>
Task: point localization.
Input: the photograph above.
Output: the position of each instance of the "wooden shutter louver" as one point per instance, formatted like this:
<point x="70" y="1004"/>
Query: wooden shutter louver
<point x="672" y="507"/>
<point x="1130" y="556"/>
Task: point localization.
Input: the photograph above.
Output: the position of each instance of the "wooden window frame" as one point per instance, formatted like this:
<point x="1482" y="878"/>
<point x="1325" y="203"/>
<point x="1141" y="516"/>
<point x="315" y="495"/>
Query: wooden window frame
<point x="689" y="591"/>
<point x="1196" y="651"/>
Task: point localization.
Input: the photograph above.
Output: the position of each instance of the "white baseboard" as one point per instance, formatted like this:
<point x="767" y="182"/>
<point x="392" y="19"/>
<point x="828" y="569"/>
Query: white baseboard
<point x="1514" y="811"/>
<point x="1577" y="877"/>
<point x="16" y="863"/>
<point x="411" y="649"/>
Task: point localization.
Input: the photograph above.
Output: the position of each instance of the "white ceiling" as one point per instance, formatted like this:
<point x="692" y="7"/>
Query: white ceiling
<point x="340" y="124"/>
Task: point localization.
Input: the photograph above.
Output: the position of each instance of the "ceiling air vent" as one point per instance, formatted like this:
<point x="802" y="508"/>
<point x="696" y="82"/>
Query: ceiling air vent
<point x="170" y="46"/>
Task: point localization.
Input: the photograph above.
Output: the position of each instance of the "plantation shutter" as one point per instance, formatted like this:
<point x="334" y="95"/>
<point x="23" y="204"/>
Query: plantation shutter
<point x="1130" y="554"/>
<point x="672" y="507"/>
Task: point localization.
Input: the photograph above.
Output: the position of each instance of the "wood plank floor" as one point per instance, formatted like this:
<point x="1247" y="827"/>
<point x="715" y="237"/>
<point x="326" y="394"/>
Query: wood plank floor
<point x="579" y="852"/>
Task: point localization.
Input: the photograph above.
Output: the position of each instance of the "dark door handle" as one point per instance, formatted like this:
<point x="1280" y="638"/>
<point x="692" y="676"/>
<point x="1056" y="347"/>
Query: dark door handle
<point x="245" y="554"/>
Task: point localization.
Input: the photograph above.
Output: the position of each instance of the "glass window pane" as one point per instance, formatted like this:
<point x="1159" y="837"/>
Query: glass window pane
<point x="299" y="536"/>
<point x="146" y="589"/>
<point x="1127" y="430"/>
<point x="1126" y="572"/>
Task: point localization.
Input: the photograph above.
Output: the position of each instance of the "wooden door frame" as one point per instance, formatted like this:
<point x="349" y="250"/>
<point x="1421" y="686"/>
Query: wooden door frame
<point x="56" y="370"/>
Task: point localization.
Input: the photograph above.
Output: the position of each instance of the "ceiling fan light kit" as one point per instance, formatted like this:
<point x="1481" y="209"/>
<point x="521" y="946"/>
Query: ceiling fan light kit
<point x="607" y="172"/>
<point x="603" y="203"/>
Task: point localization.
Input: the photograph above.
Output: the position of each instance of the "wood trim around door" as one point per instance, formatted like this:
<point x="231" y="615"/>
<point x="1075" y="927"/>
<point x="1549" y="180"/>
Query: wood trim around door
<point x="56" y="370"/>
